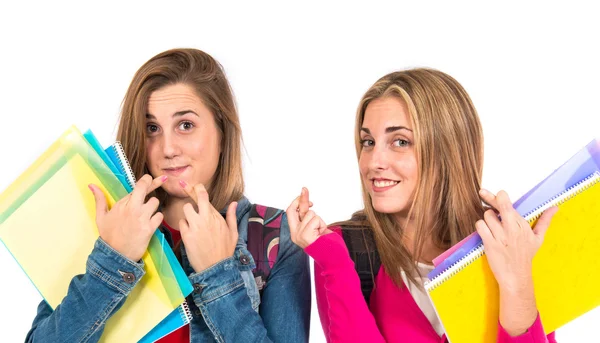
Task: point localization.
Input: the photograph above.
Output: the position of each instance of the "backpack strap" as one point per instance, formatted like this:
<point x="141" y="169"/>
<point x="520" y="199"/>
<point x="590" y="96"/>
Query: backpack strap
<point x="363" y="251"/>
<point x="264" y="226"/>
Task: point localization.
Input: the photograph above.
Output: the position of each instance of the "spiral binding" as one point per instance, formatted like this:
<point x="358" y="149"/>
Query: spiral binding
<point x="530" y="217"/>
<point x="186" y="314"/>
<point x="127" y="167"/>
<point x="564" y="196"/>
<point x="455" y="268"/>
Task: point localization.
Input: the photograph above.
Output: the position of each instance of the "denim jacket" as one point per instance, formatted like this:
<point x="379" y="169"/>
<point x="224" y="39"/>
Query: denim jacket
<point x="225" y="304"/>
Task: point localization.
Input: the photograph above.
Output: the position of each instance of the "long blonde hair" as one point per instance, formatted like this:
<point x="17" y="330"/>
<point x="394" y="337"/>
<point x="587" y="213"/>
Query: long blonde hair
<point x="205" y="75"/>
<point x="449" y="151"/>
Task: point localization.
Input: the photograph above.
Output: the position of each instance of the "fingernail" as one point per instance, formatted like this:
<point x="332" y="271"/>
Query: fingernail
<point x="91" y="188"/>
<point x="182" y="183"/>
<point x="163" y="178"/>
<point x="303" y="190"/>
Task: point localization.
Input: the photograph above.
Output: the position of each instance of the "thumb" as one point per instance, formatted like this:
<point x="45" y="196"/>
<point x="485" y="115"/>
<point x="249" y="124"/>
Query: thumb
<point x="544" y="222"/>
<point x="323" y="229"/>
<point x="231" y="218"/>
<point x="101" y="207"/>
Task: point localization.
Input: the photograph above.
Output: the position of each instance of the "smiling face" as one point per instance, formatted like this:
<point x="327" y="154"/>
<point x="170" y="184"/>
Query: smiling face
<point x="182" y="138"/>
<point x="387" y="161"/>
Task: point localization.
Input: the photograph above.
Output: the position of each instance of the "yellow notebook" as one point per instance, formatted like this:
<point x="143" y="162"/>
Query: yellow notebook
<point x="47" y="222"/>
<point x="565" y="272"/>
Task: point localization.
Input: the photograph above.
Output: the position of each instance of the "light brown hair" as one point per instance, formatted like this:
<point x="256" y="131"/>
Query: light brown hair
<point x="449" y="151"/>
<point x="205" y="75"/>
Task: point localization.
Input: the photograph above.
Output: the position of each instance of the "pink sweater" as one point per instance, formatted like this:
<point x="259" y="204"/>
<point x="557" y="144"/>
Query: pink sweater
<point x="393" y="315"/>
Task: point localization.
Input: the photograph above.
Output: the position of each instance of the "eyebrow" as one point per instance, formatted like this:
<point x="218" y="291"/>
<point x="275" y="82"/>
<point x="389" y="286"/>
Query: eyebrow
<point x="388" y="129"/>
<point x="176" y="114"/>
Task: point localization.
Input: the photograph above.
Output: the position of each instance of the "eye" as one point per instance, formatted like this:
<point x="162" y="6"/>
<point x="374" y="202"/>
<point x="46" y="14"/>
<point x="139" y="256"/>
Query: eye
<point x="186" y="125"/>
<point x="401" y="143"/>
<point x="151" y="128"/>
<point x="367" y="142"/>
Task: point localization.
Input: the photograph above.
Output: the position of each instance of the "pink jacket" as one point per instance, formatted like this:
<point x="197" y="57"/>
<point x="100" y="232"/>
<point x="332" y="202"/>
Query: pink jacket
<point x="393" y="315"/>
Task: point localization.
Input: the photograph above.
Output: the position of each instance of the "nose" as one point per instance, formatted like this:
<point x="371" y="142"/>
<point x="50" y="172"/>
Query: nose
<point x="379" y="159"/>
<point x="170" y="145"/>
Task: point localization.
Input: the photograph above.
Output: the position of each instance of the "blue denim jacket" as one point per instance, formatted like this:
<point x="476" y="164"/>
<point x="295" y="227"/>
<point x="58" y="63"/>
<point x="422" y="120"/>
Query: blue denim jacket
<point x="226" y="305"/>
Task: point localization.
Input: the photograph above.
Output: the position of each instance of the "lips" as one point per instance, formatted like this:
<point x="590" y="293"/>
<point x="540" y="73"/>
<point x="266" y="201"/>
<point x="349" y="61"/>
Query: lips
<point x="382" y="185"/>
<point x="175" y="171"/>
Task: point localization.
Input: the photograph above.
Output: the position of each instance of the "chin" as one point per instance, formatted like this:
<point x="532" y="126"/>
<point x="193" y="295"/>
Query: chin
<point x="175" y="192"/>
<point x="387" y="206"/>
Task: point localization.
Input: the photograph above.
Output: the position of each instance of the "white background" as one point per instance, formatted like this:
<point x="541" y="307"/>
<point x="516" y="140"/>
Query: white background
<point x="298" y="72"/>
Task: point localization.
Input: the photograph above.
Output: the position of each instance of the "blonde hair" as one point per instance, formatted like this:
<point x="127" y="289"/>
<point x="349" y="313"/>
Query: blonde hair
<point x="449" y="152"/>
<point x="205" y="75"/>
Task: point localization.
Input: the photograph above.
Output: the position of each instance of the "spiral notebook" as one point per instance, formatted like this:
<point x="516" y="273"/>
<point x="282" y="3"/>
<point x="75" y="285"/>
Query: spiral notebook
<point x="565" y="272"/>
<point x="115" y="158"/>
<point x="47" y="223"/>
<point x="581" y="164"/>
<point x="178" y="318"/>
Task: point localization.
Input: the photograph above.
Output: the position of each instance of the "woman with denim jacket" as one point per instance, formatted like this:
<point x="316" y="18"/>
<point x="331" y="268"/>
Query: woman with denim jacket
<point x="179" y="124"/>
<point x="419" y="145"/>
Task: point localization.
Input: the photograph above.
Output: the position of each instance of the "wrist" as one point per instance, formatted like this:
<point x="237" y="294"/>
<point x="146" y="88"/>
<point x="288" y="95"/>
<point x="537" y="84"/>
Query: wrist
<point x="518" y="287"/>
<point x="200" y="267"/>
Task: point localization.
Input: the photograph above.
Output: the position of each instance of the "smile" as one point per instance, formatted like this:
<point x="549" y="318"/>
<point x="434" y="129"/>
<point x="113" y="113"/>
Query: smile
<point x="381" y="185"/>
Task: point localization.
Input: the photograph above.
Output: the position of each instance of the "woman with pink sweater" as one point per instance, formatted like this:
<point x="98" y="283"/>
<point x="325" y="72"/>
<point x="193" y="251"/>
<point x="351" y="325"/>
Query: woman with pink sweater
<point x="419" y="145"/>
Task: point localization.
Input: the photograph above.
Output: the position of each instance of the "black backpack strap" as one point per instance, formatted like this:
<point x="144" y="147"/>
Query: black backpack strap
<point x="363" y="251"/>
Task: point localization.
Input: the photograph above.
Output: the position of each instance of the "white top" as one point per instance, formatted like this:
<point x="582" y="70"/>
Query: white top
<point x="421" y="297"/>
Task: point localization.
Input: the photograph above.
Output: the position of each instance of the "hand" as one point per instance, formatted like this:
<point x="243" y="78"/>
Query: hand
<point x="305" y="226"/>
<point x="128" y="226"/>
<point x="510" y="245"/>
<point x="208" y="238"/>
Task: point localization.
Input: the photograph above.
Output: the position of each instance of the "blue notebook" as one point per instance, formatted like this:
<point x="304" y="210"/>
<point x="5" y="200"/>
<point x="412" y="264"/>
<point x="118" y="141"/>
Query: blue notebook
<point x="178" y="318"/>
<point x="115" y="159"/>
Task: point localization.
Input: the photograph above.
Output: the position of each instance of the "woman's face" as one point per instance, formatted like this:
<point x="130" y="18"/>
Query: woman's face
<point x="182" y="139"/>
<point x="387" y="162"/>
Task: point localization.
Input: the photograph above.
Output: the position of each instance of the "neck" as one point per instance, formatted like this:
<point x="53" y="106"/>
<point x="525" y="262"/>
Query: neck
<point x="429" y="250"/>
<point x="173" y="211"/>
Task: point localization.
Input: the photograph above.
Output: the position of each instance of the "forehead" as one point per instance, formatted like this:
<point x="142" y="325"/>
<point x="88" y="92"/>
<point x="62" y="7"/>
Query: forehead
<point x="174" y="97"/>
<point x="386" y="112"/>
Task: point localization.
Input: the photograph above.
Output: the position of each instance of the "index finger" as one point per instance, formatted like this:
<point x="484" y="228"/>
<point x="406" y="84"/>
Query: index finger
<point x="157" y="182"/>
<point x="146" y="186"/>
<point x="141" y="189"/>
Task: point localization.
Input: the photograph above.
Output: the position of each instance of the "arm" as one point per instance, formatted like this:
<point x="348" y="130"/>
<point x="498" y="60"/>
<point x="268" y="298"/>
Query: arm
<point x="344" y="314"/>
<point x="510" y="246"/>
<point x="91" y="299"/>
<point x="285" y="306"/>
<point x="284" y="314"/>
<point x="221" y="296"/>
